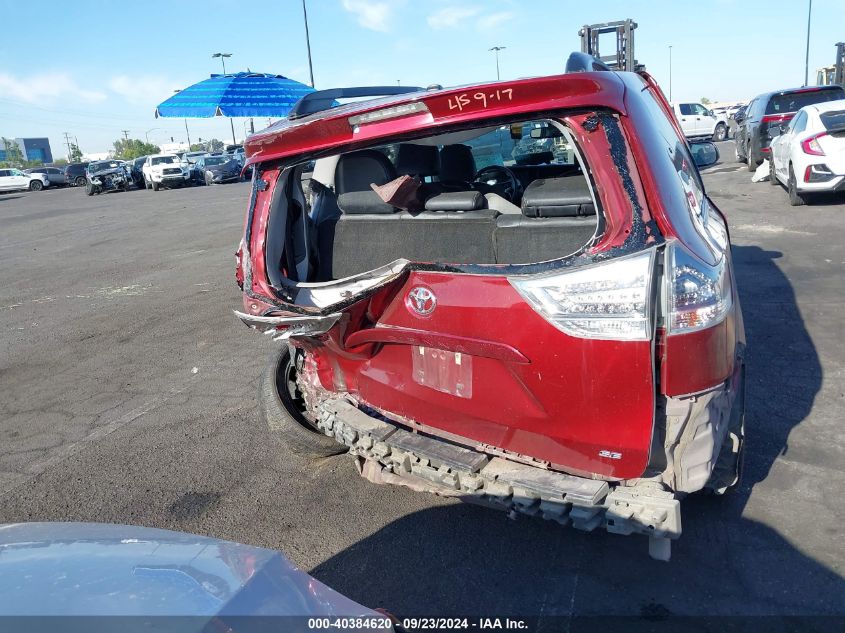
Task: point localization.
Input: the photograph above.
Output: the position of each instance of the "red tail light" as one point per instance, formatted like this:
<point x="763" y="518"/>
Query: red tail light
<point x="811" y="145"/>
<point x="777" y="118"/>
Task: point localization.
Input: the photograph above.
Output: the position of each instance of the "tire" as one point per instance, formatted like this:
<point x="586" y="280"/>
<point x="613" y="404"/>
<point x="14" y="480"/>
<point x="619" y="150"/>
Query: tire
<point x="739" y="157"/>
<point x="156" y="186"/>
<point x="89" y="189"/>
<point x="80" y="181"/>
<point x="749" y="157"/>
<point x="282" y="408"/>
<point x="720" y="133"/>
<point x="795" y="199"/>
<point x="773" y="181"/>
<point x="207" y="181"/>
<point x="36" y="185"/>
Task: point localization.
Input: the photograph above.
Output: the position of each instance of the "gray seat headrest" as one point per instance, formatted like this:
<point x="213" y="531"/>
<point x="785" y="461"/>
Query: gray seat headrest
<point x="558" y="198"/>
<point x="456" y="163"/>
<point x="357" y="170"/>
<point x="456" y="201"/>
<point x="363" y="202"/>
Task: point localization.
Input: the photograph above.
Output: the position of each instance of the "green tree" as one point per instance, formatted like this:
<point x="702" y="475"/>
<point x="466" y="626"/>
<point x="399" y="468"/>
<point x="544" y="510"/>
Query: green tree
<point x="75" y="155"/>
<point x="127" y="149"/>
<point x="60" y="162"/>
<point x="14" y="156"/>
<point x="212" y="145"/>
<point x="705" y="101"/>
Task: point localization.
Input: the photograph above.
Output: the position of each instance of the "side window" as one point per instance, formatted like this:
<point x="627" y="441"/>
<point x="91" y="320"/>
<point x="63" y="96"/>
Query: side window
<point x="799" y="123"/>
<point x="701" y="110"/>
<point x="4" y="172"/>
<point x="686" y="109"/>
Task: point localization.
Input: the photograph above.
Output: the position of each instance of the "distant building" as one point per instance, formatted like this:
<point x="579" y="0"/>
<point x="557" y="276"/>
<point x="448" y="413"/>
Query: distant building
<point x="32" y="149"/>
<point x="169" y="148"/>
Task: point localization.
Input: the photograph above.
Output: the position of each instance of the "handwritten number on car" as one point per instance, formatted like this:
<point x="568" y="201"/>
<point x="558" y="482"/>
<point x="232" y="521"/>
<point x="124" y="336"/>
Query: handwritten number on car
<point x="479" y="99"/>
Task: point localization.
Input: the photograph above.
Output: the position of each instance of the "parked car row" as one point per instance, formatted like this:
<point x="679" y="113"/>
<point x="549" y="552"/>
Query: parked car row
<point x="12" y="179"/>
<point x="801" y="132"/>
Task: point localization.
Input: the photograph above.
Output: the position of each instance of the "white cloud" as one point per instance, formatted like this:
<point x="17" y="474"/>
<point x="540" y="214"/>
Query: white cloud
<point x="142" y="90"/>
<point x="371" y="15"/>
<point x="493" y="20"/>
<point x="46" y="87"/>
<point x="450" y="17"/>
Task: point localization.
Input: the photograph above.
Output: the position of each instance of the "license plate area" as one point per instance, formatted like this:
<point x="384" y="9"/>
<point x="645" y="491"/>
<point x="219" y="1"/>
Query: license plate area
<point x="447" y="372"/>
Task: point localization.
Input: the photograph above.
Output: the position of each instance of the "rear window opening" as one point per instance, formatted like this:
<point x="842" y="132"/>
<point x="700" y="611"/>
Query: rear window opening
<point x="503" y="195"/>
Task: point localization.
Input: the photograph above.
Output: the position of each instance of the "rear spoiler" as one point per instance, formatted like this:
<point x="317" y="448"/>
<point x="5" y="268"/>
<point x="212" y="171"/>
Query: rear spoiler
<point x="320" y="100"/>
<point x="584" y="63"/>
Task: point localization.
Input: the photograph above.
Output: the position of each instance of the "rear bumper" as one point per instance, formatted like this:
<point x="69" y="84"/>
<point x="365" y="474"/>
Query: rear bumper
<point x="395" y="455"/>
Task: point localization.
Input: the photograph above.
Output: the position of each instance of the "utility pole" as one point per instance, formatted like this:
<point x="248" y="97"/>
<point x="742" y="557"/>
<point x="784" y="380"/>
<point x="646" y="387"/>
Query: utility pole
<point x="307" y="43"/>
<point x="222" y="57"/>
<point x="125" y="134"/>
<point x="496" y="49"/>
<point x="807" y="54"/>
<point x="67" y="142"/>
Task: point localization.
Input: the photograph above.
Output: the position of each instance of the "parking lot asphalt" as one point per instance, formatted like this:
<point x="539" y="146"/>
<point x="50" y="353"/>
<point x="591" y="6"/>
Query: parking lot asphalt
<point x="128" y="394"/>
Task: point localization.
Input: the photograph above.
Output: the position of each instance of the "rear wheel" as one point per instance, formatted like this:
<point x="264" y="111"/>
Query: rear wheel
<point x="156" y="186"/>
<point x="773" y="181"/>
<point x="80" y="181"/>
<point x="720" y="132"/>
<point x="36" y="185"/>
<point x="795" y="199"/>
<point x="749" y="157"/>
<point x="284" y="408"/>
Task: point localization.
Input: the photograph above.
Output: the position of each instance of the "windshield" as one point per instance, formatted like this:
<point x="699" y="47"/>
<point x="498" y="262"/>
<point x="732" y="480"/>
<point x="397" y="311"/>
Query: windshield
<point x="163" y="160"/>
<point x="530" y="143"/>
<point x="794" y="101"/>
<point x="216" y="160"/>
<point x="106" y="164"/>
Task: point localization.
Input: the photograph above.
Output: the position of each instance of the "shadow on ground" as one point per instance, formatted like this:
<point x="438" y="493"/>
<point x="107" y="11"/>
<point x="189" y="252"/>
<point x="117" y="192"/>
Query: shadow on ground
<point x="460" y="559"/>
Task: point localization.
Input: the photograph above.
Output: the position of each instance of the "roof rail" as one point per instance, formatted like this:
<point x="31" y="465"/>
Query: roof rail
<point x="584" y="62"/>
<point x="320" y="100"/>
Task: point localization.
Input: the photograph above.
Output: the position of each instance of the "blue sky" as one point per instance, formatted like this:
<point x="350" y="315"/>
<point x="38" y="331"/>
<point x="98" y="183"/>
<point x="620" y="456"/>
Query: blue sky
<point x="95" y="67"/>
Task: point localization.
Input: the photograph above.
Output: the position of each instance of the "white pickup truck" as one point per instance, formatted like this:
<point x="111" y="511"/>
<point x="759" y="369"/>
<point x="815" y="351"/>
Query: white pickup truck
<point x="697" y="121"/>
<point x="165" y="170"/>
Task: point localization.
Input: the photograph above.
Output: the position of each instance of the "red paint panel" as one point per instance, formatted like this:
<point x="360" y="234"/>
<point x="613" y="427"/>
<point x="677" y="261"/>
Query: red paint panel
<point x="575" y="398"/>
<point x="332" y="130"/>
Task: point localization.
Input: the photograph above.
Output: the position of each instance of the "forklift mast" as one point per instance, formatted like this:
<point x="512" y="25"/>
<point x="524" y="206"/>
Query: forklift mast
<point x="624" y="58"/>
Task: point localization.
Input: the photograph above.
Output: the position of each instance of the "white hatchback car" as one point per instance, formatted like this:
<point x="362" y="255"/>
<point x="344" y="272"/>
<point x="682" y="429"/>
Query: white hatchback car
<point x="809" y="154"/>
<point x="14" y="179"/>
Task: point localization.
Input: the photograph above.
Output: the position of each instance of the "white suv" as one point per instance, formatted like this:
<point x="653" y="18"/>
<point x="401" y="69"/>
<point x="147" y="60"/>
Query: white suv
<point x="697" y="121"/>
<point x="165" y="170"/>
<point x="15" y="179"/>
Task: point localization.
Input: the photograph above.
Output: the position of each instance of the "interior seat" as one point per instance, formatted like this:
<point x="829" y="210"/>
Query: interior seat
<point x="558" y="218"/>
<point x="362" y="232"/>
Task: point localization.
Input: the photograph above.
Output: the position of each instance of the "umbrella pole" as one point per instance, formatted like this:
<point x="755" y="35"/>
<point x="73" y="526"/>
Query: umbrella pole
<point x="234" y="142"/>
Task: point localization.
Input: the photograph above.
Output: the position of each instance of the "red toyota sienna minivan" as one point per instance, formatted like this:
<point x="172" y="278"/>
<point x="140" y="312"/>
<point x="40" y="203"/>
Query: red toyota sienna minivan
<point x="516" y="293"/>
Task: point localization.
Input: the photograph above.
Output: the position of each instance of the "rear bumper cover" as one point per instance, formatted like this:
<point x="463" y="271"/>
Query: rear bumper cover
<point x="395" y="455"/>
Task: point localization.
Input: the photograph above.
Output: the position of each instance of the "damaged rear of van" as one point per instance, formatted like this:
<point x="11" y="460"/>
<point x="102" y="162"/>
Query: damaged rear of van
<point x="514" y="293"/>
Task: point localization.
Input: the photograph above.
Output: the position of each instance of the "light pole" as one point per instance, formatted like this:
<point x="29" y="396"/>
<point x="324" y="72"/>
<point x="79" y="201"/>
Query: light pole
<point x="308" y="42"/>
<point x="147" y="133"/>
<point x="670" y="73"/>
<point x="496" y="49"/>
<point x="222" y="57"/>
<point x="807" y="54"/>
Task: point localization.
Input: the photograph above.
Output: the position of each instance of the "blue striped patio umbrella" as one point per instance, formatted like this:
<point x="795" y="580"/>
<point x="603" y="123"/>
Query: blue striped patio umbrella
<point x="244" y="94"/>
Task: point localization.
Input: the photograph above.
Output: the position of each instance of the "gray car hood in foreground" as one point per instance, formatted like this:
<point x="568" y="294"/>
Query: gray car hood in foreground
<point x="91" y="569"/>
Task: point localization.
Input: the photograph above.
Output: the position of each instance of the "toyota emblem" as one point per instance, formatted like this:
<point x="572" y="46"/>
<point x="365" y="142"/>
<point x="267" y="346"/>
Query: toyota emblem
<point x="421" y="301"/>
